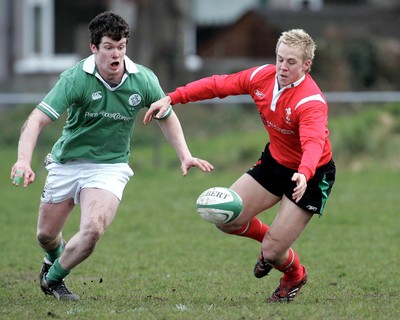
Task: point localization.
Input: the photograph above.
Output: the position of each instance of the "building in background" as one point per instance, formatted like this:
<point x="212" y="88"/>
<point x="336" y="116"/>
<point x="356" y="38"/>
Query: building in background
<point x="182" y="38"/>
<point x="358" y="44"/>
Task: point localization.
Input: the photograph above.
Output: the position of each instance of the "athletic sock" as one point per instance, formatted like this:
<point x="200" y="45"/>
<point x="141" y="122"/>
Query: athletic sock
<point x="253" y="229"/>
<point x="291" y="268"/>
<point x="56" y="272"/>
<point x="54" y="254"/>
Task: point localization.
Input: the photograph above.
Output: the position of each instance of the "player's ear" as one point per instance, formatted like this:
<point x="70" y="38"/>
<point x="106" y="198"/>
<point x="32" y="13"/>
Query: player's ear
<point x="93" y="48"/>
<point x="307" y="66"/>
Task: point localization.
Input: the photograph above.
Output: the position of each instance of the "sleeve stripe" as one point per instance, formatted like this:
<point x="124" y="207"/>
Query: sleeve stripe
<point x="256" y="71"/>
<point x="49" y="109"/>
<point x="316" y="97"/>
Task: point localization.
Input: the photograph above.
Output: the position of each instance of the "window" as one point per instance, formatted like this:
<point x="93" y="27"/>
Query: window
<point x="38" y="42"/>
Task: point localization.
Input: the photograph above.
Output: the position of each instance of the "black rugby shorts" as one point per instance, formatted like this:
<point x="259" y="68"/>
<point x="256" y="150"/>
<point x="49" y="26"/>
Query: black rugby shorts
<point x="276" y="178"/>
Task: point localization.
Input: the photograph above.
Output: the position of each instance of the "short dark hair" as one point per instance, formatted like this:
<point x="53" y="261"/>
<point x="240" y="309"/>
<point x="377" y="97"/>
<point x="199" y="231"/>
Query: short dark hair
<point x="108" y="24"/>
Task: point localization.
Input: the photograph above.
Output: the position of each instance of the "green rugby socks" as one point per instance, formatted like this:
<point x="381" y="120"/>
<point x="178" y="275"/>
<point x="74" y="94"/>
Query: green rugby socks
<point x="54" y="254"/>
<point x="56" y="272"/>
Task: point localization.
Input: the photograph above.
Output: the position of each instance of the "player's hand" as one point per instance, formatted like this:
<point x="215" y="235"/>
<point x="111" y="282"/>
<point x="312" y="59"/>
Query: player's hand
<point x="196" y="162"/>
<point x="301" y="186"/>
<point x="21" y="172"/>
<point x="159" y="107"/>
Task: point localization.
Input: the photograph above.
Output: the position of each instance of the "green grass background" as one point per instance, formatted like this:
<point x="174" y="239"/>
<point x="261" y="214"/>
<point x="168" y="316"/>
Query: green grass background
<point x="159" y="260"/>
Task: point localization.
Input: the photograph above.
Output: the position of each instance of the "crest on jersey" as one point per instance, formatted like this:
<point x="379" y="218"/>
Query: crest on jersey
<point x="288" y="113"/>
<point x="135" y="99"/>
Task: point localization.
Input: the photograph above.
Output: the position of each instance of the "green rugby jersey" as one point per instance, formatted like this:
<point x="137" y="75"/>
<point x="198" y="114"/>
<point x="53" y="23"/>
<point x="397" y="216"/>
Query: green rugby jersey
<point x="100" y="119"/>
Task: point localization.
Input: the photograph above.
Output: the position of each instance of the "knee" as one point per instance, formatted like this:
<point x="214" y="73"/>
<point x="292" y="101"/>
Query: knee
<point x="271" y="258"/>
<point x="45" y="237"/>
<point x="241" y="223"/>
<point x="91" y="236"/>
<point x="231" y="227"/>
<point x="272" y="252"/>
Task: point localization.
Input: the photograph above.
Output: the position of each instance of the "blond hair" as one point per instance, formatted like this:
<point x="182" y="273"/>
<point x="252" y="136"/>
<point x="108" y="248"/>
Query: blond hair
<point x="300" y="39"/>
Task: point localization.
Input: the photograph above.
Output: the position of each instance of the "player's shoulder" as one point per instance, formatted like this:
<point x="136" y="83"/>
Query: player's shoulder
<point x="143" y="70"/>
<point x="74" y="72"/>
<point x="78" y="67"/>
<point x="144" y="74"/>
<point x="262" y="72"/>
<point x="309" y="86"/>
<point x="309" y="94"/>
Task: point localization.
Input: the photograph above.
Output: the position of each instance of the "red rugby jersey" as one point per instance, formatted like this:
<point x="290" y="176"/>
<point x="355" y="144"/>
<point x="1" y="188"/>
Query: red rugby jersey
<point x="296" y="116"/>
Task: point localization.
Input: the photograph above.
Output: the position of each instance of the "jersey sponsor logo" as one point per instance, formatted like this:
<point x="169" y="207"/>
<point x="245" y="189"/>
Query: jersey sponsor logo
<point x="111" y="115"/>
<point x="274" y="126"/>
<point x="97" y="95"/>
<point x="135" y="99"/>
<point x="281" y="130"/>
<point x="259" y="94"/>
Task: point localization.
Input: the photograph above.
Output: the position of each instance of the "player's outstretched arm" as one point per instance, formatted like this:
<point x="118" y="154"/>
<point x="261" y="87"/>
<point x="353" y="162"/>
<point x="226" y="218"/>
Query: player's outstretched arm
<point x="172" y="130"/>
<point x="21" y="171"/>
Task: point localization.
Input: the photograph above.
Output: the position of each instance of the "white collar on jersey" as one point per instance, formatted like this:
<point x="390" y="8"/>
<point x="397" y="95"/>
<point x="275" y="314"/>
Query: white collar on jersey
<point x="293" y="84"/>
<point x="277" y="92"/>
<point x="89" y="65"/>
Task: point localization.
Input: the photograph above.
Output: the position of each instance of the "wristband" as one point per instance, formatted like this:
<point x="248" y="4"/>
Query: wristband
<point x="165" y="115"/>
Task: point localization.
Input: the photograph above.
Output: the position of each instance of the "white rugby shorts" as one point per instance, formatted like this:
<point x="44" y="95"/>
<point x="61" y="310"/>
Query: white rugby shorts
<point x="65" y="181"/>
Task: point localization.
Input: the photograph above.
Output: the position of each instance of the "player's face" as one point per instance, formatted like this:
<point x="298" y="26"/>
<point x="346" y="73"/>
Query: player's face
<point x="290" y="66"/>
<point x="109" y="58"/>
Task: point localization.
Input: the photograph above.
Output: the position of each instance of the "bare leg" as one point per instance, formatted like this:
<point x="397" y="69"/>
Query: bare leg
<point x="52" y="217"/>
<point x="98" y="209"/>
<point x="255" y="198"/>
<point x="284" y="231"/>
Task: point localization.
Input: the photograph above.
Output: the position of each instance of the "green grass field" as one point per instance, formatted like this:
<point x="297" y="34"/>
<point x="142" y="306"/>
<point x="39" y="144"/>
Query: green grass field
<point x="159" y="260"/>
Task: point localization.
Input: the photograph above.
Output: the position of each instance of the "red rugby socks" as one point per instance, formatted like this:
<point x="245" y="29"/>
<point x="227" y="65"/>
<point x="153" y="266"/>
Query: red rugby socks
<point x="254" y="229"/>
<point x="291" y="268"/>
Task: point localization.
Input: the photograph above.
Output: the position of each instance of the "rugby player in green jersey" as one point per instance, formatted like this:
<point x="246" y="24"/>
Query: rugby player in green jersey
<point x="88" y="165"/>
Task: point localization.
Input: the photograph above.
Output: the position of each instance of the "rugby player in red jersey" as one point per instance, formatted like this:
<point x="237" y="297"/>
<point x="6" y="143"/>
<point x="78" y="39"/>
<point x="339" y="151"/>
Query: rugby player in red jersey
<point x="296" y="166"/>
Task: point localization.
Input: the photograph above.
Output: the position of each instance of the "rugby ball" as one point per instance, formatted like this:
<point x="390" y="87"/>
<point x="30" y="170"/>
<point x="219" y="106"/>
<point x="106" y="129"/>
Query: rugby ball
<point x="219" y="205"/>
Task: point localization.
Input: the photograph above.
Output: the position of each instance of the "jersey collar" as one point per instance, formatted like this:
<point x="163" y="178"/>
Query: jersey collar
<point x="292" y="85"/>
<point x="89" y="65"/>
<point x="278" y="92"/>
